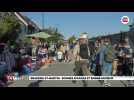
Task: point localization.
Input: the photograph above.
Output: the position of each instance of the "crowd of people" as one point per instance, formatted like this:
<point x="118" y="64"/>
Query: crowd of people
<point x="100" y="58"/>
<point x="103" y="58"/>
<point x="58" y="52"/>
<point x="23" y="58"/>
<point x="112" y="59"/>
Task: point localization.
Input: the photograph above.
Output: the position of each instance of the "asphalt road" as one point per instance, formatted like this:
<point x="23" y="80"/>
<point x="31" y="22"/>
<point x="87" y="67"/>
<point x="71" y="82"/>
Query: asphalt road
<point x="60" y="69"/>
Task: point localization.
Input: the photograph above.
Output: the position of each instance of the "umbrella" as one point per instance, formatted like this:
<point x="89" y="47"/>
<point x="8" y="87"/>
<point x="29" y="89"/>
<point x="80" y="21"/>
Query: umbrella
<point x="42" y="35"/>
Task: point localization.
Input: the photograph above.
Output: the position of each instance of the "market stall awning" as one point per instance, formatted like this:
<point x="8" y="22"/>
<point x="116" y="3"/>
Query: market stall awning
<point x="42" y="35"/>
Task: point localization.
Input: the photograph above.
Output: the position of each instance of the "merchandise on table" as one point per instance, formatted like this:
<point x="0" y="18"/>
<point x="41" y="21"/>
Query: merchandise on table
<point x="26" y="70"/>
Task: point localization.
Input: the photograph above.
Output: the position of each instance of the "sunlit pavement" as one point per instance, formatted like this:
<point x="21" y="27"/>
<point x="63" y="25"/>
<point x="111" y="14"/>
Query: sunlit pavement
<point x="60" y="69"/>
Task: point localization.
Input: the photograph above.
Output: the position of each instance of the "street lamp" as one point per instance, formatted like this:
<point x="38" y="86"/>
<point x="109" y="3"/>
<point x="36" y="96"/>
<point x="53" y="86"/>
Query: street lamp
<point x="42" y="20"/>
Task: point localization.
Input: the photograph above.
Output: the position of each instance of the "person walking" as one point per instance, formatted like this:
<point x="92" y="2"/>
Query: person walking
<point x="98" y="70"/>
<point x="107" y="55"/>
<point x="67" y="54"/>
<point x="125" y="58"/>
<point x="62" y="49"/>
<point x="81" y="54"/>
<point x="8" y="58"/>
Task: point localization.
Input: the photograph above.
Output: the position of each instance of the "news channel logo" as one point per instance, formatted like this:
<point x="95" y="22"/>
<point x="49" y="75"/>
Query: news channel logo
<point x="124" y="19"/>
<point x="14" y="78"/>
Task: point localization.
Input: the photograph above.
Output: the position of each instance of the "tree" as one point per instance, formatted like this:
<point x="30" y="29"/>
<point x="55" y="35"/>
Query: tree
<point x="55" y="34"/>
<point x="9" y="28"/>
<point x="84" y="33"/>
<point x="71" y="39"/>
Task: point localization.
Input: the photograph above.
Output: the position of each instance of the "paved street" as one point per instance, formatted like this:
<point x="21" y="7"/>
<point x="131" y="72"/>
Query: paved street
<point x="24" y="41"/>
<point x="59" y="69"/>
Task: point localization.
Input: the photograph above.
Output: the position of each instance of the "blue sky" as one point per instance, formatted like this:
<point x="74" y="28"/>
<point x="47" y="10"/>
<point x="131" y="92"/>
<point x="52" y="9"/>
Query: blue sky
<point x="94" y="23"/>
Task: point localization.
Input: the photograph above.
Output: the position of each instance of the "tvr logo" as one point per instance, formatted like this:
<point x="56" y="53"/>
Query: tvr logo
<point x="13" y="78"/>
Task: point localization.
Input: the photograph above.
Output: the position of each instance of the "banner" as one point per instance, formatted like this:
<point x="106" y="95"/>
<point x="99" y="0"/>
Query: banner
<point x="81" y="77"/>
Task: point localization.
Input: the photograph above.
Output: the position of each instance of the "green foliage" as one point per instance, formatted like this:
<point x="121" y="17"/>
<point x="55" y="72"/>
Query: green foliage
<point x="55" y="35"/>
<point x="9" y="28"/>
<point x="27" y="40"/>
<point x="71" y="39"/>
<point x="84" y="33"/>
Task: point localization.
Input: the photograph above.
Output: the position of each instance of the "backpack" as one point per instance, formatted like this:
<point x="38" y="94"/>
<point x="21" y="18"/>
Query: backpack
<point x="109" y="54"/>
<point x="84" y="51"/>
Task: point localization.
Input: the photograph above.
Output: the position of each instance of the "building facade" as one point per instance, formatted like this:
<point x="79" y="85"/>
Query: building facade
<point x="131" y="36"/>
<point x="27" y="26"/>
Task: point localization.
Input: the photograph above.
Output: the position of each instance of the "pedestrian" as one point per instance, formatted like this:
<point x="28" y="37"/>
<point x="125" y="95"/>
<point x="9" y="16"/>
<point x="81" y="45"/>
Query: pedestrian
<point x="98" y="71"/>
<point x="107" y="55"/>
<point x="125" y="59"/>
<point x="66" y="52"/>
<point x="81" y="54"/>
<point x="52" y="50"/>
<point x="60" y="55"/>
<point x="3" y="64"/>
<point x="62" y="49"/>
<point x="34" y="46"/>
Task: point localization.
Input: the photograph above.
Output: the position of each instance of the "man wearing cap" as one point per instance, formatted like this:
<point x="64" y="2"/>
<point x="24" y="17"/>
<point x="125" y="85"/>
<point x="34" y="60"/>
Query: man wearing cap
<point x="81" y="54"/>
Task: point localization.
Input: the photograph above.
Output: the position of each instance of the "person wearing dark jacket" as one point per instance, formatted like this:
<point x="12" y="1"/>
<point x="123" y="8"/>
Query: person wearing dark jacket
<point x="81" y="54"/>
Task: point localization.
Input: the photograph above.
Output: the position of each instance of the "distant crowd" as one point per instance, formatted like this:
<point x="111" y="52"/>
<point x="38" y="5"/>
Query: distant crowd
<point x="23" y="58"/>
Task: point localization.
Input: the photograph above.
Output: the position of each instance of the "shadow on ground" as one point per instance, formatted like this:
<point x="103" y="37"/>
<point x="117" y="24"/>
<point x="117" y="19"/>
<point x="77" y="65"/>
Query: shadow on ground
<point x="35" y="84"/>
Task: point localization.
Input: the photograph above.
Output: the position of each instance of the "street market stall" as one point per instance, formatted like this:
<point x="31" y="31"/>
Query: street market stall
<point x="42" y="52"/>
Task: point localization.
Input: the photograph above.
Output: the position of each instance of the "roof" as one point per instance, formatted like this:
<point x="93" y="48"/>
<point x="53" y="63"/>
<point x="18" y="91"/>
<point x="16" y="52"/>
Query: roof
<point x="26" y="20"/>
<point x="21" y="18"/>
<point x="30" y="22"/>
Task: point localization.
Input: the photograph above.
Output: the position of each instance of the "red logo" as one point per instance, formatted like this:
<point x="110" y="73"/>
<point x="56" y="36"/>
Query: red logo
<point x="125" y="20"/>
